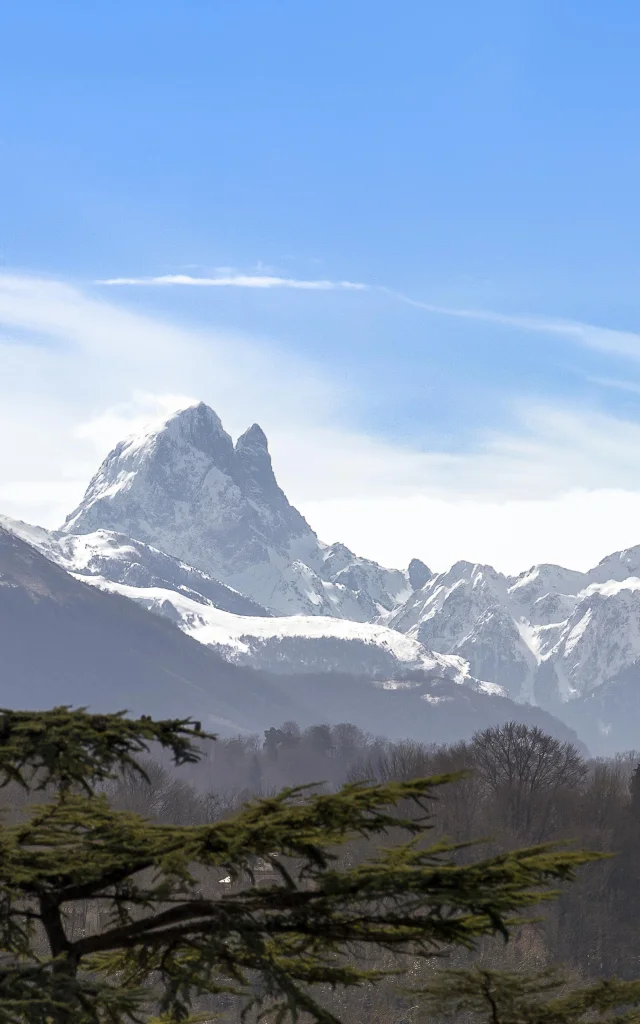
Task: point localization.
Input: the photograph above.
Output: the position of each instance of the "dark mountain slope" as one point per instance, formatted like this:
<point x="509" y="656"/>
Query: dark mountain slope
<point x="62" y="641"/>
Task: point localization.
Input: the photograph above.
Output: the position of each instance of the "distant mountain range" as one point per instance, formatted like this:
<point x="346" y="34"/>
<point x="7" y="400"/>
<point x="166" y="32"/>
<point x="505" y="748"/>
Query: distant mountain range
<point x="196" y="529"/>
<point x="64" y="642"/>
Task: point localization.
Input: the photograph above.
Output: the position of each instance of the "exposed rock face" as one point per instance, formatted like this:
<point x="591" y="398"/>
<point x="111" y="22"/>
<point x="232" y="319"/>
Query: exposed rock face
<point x="418" y="574"/>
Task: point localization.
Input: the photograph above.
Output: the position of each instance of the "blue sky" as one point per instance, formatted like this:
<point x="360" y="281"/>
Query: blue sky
<point x="476" y="158"/>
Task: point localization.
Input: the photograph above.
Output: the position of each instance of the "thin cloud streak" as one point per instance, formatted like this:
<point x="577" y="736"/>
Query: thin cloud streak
<point x="618" y="385"/>
<point x="238" y="281"/>
<point x="603" y="339"/>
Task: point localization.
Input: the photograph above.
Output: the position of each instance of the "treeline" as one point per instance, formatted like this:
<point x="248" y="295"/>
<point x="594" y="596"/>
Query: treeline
<point x="292" y="906"/>
<point x="513" y="786"/>
<point x="517" y="787"/>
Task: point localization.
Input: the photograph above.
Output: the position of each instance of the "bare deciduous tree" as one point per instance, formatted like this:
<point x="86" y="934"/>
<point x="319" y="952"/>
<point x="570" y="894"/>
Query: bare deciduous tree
<point x="528" y="772"/>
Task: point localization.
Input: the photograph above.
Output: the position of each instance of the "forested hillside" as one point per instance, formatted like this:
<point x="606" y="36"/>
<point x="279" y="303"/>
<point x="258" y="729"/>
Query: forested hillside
<point x="519" y="787"/>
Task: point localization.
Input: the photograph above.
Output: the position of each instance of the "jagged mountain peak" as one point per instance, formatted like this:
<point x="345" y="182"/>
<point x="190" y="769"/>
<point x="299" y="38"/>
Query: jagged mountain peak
<point x="254" y="437"/>
<point x="194" y="412"/>
<point x="196" y="424"/>
<point x="169" y="459"/>
<point x="617" y="566"/>
<point x="252" y="468"/>
<point x="418" y="573"/>
<point x="336" y="557"/>
<point x="474" y="573"/>
<point x="462" y="569"/>
<point x="183" y="486"/>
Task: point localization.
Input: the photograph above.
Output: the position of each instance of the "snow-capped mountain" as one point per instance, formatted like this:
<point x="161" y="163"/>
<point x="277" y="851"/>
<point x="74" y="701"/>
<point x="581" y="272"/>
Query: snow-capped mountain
<point x="552" y="636"/>
<point x="301" y="643"/>
<point x="119" y="560"/>
<point x="467" y="611"/>
<point x="239" y="629"/>
<point x="185" y="488"/>
<point x="64" y="642"/>
<point x="597" y="641"/>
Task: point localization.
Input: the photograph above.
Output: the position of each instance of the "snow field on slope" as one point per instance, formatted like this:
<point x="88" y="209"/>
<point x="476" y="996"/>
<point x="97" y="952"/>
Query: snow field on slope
<point x="212" y="626"/>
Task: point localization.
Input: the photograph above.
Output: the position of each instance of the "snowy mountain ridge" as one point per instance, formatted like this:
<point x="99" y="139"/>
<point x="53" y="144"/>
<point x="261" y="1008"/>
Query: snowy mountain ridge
<point x="64" y="642"/>
<point x="237" y="628"/>
<point x="123" y="561"/>
<point x="550" y="636"/>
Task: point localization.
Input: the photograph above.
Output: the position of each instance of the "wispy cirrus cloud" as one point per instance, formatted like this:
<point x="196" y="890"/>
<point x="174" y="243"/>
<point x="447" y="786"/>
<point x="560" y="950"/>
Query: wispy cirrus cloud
<point x="629" y="386"/>
<point x="239" y="281"/>
<point x="603" y="339"/>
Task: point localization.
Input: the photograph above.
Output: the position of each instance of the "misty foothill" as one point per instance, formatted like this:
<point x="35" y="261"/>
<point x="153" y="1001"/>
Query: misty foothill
<point x="467" y="722"/>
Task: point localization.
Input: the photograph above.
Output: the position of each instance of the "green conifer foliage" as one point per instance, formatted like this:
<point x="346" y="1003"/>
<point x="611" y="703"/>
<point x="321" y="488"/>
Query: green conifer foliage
<point x="169" y="933"/>
<point x="479" y="996"/>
